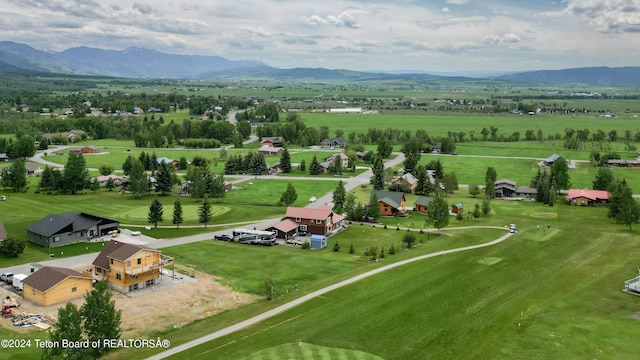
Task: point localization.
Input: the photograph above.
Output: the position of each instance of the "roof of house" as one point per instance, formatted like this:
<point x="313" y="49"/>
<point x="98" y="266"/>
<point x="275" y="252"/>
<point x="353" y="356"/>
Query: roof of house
<point x="165" y="159"/>
<point x="271" y="139"/>
<point x="31" y="166"/>
<point x="78" y="148"/>
<point x="269" y="149"/>
<point x="393" y="198"/>
<point x="459" y="206"/>
<point x="320" y="213"/>
<point x="53" y="223"/>
<point x="340" y="141"/>
<point x="423" y="200"/>
<point x="118" y="250"/>
<point x="505" y="181"/>
<point x="3" y="156"/>
<point x="526" y="190"/>
<point x="589" y="194"/>
<point x="286" y="225"/>
<point x="552" y="158"/>
<point x="409" y="178"/>
<point x="50" y="276"/>
<point x="337" y="217"/>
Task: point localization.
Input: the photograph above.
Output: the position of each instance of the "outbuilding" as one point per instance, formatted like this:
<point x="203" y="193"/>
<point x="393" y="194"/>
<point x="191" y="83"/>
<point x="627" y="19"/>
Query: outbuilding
<point x="52" y="285"/>
<point x="318" y="242"/>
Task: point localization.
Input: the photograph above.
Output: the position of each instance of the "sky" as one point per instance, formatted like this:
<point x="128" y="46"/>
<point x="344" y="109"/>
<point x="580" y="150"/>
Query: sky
<point x="431" y="36"/>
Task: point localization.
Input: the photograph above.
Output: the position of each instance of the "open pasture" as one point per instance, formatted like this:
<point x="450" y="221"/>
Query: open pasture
<point x="441" y="125"/>
<point x="531" y="304"/>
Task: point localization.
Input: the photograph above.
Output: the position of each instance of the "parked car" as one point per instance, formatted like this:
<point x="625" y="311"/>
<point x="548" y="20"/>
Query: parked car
<point x="223" y="237"/>
<point x="136" y="233"/>
<point x="313" y="199"/>
<point x="8" y="277"/>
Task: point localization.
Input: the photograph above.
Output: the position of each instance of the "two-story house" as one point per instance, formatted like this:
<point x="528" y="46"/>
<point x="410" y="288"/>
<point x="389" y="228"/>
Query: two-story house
<point x="319" y="221"/>
<point x="129" y="267"/>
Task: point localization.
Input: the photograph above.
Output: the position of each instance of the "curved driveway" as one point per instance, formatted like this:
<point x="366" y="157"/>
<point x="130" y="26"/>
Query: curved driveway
<point x="282" y="308"/>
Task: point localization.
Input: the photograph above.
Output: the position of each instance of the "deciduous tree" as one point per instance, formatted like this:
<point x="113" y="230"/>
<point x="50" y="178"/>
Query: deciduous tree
<point x="101" y="318"/>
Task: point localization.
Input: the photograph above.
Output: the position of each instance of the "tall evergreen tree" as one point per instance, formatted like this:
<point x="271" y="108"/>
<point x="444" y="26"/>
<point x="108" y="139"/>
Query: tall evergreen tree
<point x="163" y="179"/>
<point x="424" y="184"/>
<point x="101" y="318"/>
<point x="177" y="213"/>
<point x="490" y="182"/>
<point x="258" y="164"/>
<point x="438" y="171"/>
<point x="315" y="168"/>
<point x="204" y="213"/>
<point x="378" y="174"/>
<point x="373" y="210"/>
<point x="285" y="161"/>
<point x="289" y="196"/>
<point x="339" y="197"/>
<point x="155" y="212"/>
<point x="560" y="174"/>
<point x="438" y="213"/>
<point x="604" y="180"/>
<point x="126" y="166"/>
<point x="138" y="179"/>
<point x="75" y="173"/>
<point x="14" y="176"/>
<point x="67" y="328"/>
<point x="303" y="166"/>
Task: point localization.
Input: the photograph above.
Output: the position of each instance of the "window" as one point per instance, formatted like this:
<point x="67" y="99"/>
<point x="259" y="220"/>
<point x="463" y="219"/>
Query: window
<point x="80" y="234"/>
<point x="73" y="289"/>
<point x="139" y="261"/>
<point x="118" y="277"/>
<point x="298" y="220"/>
<point x="303" y="227"/>
<point x="111" y="261"/>
<point x="56" y="238"/>
<point x="129" y="263"/>
<point x="318" y="221"/>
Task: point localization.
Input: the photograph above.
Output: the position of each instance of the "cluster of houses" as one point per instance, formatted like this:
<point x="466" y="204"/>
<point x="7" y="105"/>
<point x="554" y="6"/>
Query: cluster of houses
<point x="126" y="267"/>
<point x="273" y="145"/>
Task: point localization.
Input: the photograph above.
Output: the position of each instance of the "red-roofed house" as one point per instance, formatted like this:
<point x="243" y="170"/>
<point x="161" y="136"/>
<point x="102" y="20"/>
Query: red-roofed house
<point x="580" y="197"/>
<point x="128" y="267"/>
<point x="318" y="221"/>
<point x="285" y="229"/>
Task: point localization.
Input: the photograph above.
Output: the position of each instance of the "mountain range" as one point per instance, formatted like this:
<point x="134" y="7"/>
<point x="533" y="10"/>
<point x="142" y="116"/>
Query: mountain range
<point x="22" y="59"/>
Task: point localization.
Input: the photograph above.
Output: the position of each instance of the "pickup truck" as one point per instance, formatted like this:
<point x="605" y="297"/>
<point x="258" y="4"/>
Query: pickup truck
<point x="8" y="277"/>
<point x="223" y="237"/>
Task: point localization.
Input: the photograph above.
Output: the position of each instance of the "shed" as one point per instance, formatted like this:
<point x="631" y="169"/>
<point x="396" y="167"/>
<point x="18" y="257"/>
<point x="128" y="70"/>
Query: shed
<point x="52" y="285"/>
<point x="318" y="241"/>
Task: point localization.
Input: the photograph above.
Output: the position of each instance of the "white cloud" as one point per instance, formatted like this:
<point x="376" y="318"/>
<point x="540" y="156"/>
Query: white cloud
<point x="342" y="20"/>
<point x="257" y="31"/>
<point x="504" y="39"/>
<point x="457" y="2"/>
<point x="445" y="10"/>
<point x="609" y="16"/>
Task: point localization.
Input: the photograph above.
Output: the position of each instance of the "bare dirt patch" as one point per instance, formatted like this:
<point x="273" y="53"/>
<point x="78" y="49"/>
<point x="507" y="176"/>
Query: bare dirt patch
<point x="178" y="305"/>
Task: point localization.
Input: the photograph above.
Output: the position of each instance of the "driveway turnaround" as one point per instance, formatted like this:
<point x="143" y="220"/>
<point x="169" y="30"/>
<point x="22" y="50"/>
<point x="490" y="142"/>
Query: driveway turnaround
<point x="273" y="312"/>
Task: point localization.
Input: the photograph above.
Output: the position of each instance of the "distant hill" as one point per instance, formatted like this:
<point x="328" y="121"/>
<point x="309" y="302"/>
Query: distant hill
<point x="131" y="62"/>
<point x="586" y="76"/>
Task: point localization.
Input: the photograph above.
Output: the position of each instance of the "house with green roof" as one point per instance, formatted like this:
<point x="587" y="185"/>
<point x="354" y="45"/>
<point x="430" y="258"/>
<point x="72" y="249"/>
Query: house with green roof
<point x="457" y="208"/>
<point x="422" y="204"/>
<point x="391" y="203"/>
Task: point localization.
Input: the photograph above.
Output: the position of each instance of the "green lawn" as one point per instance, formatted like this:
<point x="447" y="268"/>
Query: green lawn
<point x="552" y="294"/>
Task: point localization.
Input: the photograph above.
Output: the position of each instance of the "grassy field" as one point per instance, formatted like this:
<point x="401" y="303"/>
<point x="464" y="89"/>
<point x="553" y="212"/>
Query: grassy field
<point x="551" y="294"/>
<point x="441" y="125"/>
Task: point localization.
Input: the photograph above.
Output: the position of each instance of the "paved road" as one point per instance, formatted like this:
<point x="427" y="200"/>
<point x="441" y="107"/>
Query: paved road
<point x="273" y="312"/>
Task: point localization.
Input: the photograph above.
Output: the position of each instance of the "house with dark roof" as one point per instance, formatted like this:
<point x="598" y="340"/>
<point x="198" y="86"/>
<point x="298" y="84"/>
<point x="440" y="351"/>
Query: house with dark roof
<point x="52" y="285"/>
<point x="550" y="160"/>
<point x="506" y="188"/>
<point x="422" y="204"/>
<point x="273" y="141"/>
<point x="578" y="197"/>
<point x="32" y="168"/>
<point x="270" y="150"/>
<point x="128" y="267"/>
<point x="333" y="142"/>
<point x="68" y="228"/>
<point x="390" y="203"/>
